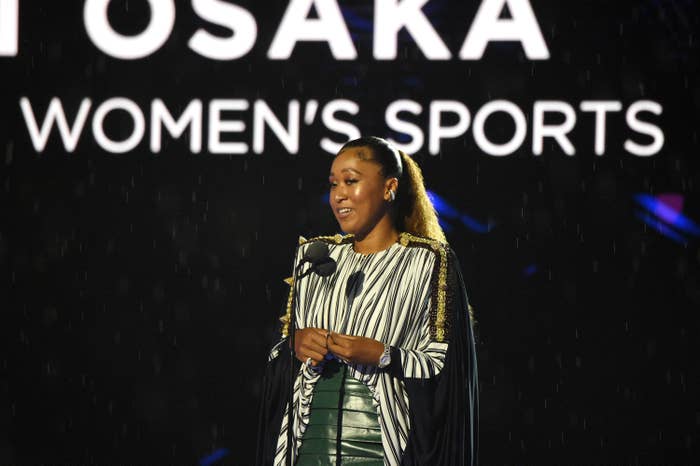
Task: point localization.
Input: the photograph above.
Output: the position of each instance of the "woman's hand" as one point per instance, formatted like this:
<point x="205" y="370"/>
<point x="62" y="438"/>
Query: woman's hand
<point x="359" y="350"/>
<point x="310" y="342"/>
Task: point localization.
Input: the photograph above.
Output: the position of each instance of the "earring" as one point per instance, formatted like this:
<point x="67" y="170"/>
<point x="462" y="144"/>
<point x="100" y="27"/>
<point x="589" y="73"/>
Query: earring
<point x="392" y="195"/>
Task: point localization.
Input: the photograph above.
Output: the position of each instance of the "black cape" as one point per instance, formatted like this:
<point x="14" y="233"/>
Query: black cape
<point x="444" y="410"/>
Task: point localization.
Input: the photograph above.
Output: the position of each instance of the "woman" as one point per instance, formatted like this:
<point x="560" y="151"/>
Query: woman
<point x="384" y="346"/>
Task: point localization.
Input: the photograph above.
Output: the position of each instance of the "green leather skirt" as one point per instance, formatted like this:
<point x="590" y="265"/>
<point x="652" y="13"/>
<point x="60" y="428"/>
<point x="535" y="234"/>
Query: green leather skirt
<point x="343" y="426"/>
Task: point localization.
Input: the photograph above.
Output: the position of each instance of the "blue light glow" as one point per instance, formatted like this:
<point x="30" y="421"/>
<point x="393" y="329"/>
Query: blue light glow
<point x="214" y="457"/>
<point x="666" y="208"/>
<point x="356" y="21"/>
<point x="530" y="270"/>
<point x="445" y="209"/>
<point x="660" y="227"/>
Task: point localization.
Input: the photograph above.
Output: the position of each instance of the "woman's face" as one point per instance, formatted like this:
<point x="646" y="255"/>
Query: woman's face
<point x="358" y="191"/>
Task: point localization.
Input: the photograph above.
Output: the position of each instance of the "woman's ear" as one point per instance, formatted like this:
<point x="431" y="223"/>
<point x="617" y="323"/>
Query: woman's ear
<point x="391" y="186"/>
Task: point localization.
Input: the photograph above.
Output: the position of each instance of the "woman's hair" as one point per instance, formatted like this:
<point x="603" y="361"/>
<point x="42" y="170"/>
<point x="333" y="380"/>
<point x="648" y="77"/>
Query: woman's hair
<point x="413" y="212"/>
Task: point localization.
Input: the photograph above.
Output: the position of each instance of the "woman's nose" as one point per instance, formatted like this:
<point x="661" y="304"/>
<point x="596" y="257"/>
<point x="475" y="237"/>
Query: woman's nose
<point x="339" y="193"/>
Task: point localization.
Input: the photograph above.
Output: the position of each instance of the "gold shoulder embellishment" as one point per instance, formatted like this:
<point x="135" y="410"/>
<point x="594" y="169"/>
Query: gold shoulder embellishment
<point x="439" y="318"/>
<point x="337" y="239"/>
<point x="286" y="318"/>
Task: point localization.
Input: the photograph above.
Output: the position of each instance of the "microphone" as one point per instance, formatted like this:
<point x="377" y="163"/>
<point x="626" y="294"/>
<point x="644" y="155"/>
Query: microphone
<point x="326" y="267"/>
<point x="316" y="251"/>
<point x="321" y="263"/>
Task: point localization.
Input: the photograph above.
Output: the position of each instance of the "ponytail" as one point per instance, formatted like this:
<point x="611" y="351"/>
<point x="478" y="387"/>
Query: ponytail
<point x="414" y="213"/>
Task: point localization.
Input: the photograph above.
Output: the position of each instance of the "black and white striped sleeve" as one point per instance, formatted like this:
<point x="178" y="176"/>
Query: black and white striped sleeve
<point x="427" y="359"/>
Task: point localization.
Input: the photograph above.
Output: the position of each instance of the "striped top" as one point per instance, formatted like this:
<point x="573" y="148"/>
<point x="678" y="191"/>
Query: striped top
<point x="386" y="296"/>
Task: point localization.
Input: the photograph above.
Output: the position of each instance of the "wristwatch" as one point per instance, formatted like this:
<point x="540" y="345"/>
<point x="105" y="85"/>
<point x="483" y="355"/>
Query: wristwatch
<point x="385" y="358"/>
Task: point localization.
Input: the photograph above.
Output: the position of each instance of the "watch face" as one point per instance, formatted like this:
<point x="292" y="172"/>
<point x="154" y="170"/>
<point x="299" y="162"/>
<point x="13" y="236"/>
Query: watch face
<point x="385" y="359"/>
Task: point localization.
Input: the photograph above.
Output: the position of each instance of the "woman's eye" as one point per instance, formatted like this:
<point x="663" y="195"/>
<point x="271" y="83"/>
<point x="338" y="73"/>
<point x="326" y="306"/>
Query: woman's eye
<point x="350" y="181"/>
<point x="332" y="184"/>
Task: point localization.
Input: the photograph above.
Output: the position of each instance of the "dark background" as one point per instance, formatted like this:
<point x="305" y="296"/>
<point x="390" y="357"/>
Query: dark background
<point x="141" y="292"/>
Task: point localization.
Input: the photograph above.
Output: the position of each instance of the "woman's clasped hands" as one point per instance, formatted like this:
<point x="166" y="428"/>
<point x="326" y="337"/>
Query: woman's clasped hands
<point x="313" y="344"/>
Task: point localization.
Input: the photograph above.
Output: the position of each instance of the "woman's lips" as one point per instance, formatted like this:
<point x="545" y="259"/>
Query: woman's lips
<point x="343" y="212"/>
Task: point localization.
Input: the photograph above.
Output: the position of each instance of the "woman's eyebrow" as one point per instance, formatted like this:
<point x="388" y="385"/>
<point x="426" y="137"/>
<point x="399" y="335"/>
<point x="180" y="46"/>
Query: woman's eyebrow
<point x="348" y="170"/>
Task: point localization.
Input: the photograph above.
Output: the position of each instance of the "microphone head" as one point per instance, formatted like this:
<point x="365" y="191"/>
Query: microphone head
<point x="317" y="251"/>
<point x="325" y="267"/>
